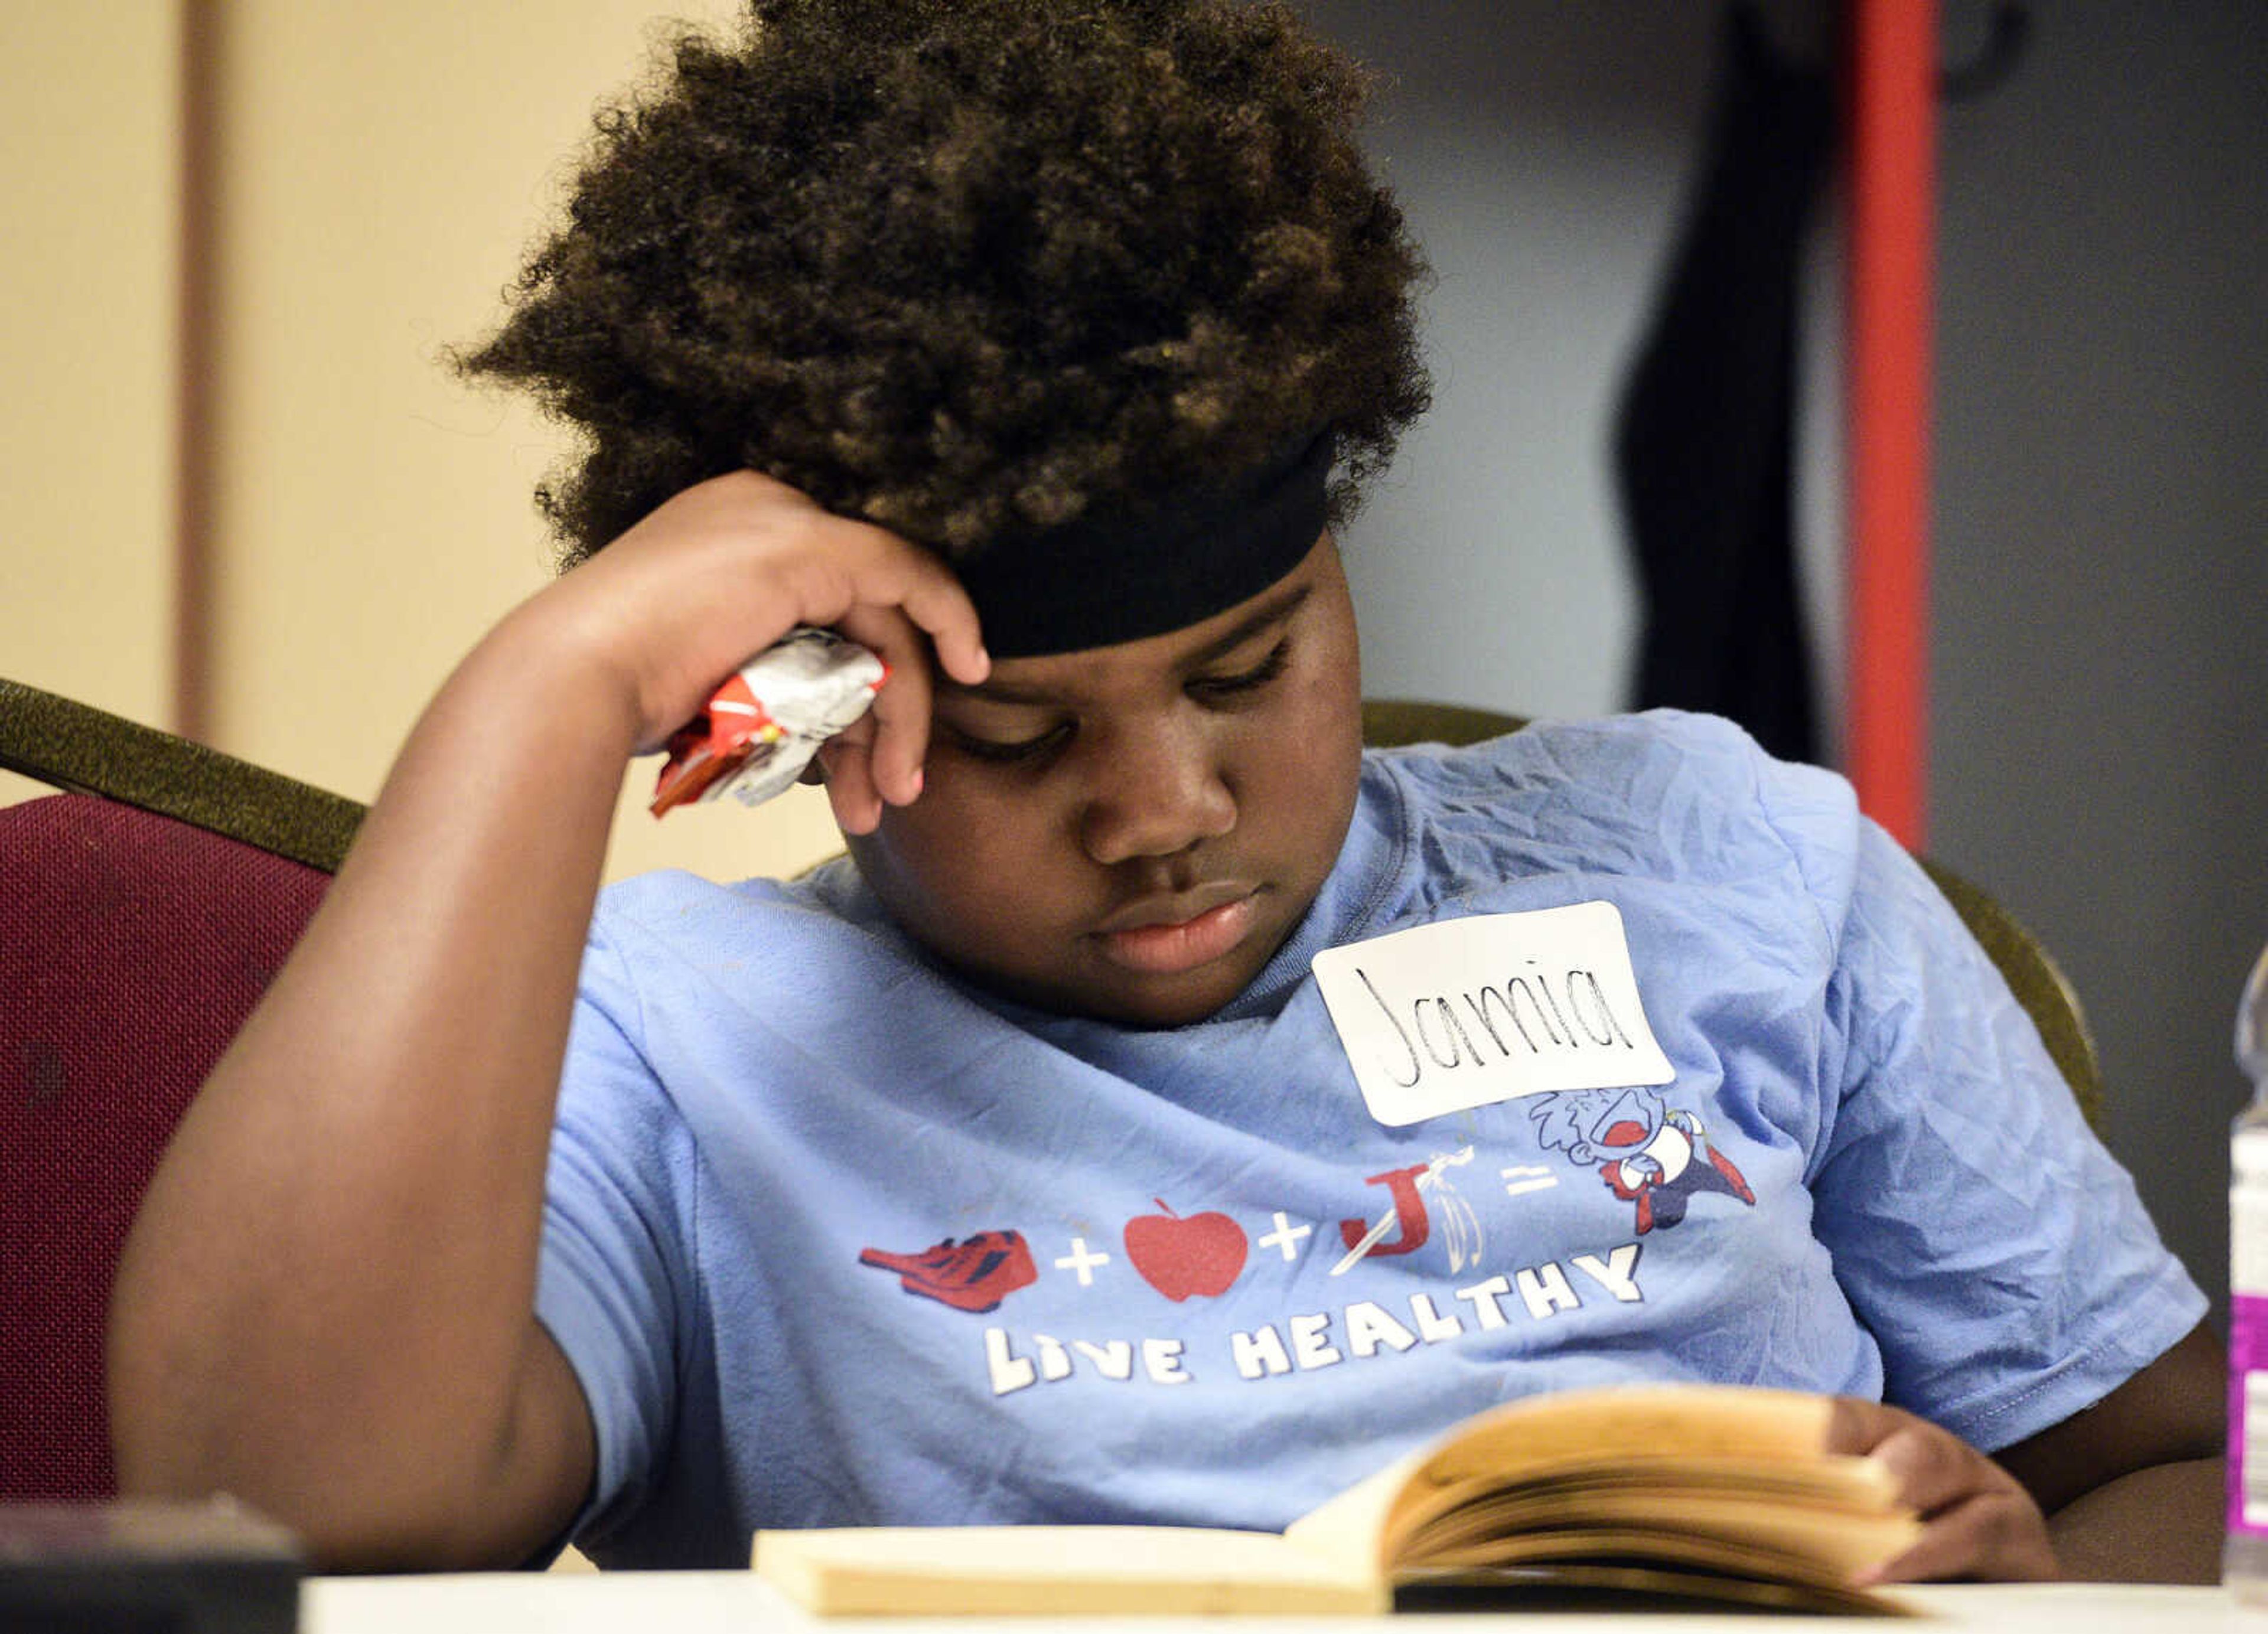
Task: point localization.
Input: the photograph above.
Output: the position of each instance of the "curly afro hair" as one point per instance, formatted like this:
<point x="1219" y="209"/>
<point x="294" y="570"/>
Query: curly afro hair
<point x="969" y="268"/>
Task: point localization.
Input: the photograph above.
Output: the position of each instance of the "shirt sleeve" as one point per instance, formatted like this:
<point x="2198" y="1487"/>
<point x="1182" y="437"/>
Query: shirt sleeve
<point x="613" y="1287"/>
<point x="1999" y="1253"/>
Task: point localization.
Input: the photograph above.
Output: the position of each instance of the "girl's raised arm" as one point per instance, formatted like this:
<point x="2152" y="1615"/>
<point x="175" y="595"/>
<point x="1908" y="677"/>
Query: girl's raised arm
<point x="325" y="1306"/>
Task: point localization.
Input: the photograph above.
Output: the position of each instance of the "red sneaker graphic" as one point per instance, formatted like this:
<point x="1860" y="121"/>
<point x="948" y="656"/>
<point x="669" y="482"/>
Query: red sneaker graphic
<point x="973" y="1276"/>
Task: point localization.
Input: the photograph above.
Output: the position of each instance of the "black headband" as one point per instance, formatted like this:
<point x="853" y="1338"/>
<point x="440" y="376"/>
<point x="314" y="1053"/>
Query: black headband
<point x="1104" y="579"/>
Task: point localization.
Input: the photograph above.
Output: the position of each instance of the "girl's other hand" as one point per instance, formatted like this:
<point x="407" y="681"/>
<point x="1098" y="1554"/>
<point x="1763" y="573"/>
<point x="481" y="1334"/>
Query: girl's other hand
<point x="1978" y="1521"/>
<point x="720" y="571"/>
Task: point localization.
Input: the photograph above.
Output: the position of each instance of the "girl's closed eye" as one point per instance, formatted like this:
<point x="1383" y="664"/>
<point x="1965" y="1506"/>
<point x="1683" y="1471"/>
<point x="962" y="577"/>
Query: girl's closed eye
<point x="1010" y="741"/>
<point x="1007" y="753"/>
<point x="1252" y="680"/>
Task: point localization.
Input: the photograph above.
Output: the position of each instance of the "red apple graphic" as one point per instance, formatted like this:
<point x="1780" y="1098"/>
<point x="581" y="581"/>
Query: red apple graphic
<point x="1179" y="1257"/>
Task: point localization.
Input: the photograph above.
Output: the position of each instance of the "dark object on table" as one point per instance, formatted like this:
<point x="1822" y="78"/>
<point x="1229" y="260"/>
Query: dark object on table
<point x="146" y="1568"/>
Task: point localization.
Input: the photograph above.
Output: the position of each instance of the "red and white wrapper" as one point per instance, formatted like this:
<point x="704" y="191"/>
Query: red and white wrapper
<point x="763" y="725"/>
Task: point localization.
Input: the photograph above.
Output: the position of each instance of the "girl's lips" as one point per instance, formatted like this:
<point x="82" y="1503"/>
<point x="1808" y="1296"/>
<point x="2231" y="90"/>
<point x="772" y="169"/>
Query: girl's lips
<point x="1169" y="949"/>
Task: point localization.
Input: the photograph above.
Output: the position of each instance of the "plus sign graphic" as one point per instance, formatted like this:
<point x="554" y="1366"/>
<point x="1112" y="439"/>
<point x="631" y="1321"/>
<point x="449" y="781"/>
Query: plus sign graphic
<point x="1083" y="1261"/>
<point x="1285" y="1237"/>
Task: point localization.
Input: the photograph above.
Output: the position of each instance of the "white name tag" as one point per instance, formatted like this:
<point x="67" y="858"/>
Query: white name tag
<point x="1468" y="1012"/>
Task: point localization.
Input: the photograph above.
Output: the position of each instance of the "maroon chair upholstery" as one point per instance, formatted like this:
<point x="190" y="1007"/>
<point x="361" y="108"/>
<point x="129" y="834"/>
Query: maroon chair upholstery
<point x="132" y="946"/>
<point x="140" y="915"/>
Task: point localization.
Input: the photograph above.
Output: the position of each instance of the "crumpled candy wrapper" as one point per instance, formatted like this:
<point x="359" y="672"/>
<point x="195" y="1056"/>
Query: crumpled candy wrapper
<point x="763" y="725"/>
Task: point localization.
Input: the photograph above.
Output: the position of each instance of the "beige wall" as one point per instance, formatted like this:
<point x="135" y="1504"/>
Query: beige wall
<point x="383" y="168"/>
<point x="87" y="190"/>
<point x="378" y="172"/>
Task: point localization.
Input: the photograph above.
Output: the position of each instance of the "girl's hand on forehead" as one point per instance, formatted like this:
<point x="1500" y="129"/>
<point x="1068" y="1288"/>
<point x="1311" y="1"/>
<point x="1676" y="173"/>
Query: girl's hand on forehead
<point x="722" y="571"/>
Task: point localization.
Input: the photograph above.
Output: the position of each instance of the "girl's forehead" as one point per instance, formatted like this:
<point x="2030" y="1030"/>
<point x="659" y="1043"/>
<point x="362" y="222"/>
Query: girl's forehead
<point x="1049" y="679"/>
<point x="1115" y="578"/>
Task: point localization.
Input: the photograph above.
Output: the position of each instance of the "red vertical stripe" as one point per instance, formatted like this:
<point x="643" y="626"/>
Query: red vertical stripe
<point x="1893" y="139"/>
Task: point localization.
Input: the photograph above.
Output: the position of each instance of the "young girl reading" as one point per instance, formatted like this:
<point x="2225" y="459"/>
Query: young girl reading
<point x="1167" y="1112"/>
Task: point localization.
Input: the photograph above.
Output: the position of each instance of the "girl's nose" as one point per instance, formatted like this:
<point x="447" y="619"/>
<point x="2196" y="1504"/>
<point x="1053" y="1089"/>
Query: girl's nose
<point x="1153" y="791"/>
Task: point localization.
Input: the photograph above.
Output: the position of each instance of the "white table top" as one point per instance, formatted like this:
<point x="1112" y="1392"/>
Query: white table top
<point x="694" y="1602"/>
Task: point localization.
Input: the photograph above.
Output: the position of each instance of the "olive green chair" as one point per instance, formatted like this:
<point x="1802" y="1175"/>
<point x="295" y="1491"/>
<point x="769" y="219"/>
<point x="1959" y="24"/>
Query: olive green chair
<point x="73" y="747"/>
<point x="142" y="910"/>
<point x="83" y="750"/>
<point x="2039" y="985"/>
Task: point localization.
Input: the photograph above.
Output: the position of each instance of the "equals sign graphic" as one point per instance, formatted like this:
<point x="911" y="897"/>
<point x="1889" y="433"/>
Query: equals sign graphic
<point x="1522" y="1177"/>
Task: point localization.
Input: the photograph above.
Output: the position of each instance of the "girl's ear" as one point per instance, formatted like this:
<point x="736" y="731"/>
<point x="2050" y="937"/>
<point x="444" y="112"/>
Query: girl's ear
<point x="844" y="771"/>
<point x="815" y="771"/>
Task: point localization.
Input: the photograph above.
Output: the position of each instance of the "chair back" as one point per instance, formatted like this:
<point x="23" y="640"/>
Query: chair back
<point x="2033" y="976"/>
<point x="133" y="944"/>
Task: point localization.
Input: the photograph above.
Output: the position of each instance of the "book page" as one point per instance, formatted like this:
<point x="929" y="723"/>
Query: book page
<point x="1525" y="1463"/>
<point x="1596" y="1427"/>
<point x="1646" y="1523"/>
<point x="1848" y="1493"/>
<point x="1352" y="1525"/>
<point x="1648" y="1585"/>
<point x="1070" y="1571"/>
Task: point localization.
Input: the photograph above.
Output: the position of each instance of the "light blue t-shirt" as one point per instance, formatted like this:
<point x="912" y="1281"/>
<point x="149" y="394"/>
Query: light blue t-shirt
<point x="836" y="1237"/>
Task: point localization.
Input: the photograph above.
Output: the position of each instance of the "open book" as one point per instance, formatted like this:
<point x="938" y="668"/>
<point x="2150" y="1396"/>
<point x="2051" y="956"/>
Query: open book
<point x="1712" y="1490"/>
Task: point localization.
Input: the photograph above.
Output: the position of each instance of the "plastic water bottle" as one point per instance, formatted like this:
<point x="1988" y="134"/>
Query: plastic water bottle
<point x="2244" y="1561"/>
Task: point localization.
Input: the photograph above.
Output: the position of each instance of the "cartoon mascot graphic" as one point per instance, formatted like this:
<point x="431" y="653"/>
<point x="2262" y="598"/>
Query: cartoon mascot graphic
<point x="1650" y="1155"/>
